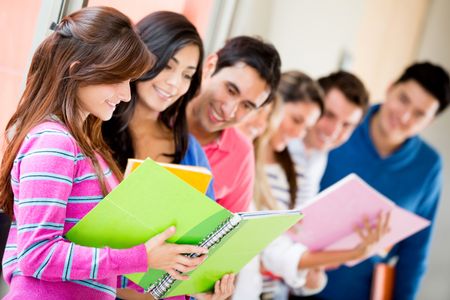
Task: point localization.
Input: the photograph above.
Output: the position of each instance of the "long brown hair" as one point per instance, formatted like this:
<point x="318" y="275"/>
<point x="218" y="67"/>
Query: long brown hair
<point x="95" y="45"/>
<point x="262" y="194"/>
<point x="296" y="86"/>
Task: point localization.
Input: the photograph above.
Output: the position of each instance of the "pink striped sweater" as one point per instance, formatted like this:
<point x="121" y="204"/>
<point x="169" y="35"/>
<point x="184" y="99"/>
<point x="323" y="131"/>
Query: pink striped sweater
<point x="54" y="186"/>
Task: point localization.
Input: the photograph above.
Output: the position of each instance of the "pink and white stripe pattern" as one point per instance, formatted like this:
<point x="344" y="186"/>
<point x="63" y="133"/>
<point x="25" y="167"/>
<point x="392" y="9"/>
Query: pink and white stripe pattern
<point x="54" y="186"/>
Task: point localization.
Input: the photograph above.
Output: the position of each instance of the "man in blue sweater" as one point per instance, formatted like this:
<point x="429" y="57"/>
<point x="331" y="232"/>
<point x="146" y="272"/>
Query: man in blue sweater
<point x="386" y="151"/>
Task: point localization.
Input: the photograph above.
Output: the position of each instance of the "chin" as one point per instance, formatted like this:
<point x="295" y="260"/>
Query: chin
<point x="280" y="147"/>
<point x="105" y="118"/>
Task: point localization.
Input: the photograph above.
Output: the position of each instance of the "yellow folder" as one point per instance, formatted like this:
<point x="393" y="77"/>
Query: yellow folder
<point x="195" y="176"/>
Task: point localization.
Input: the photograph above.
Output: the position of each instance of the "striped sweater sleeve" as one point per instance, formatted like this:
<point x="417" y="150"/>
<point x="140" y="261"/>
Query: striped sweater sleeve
<point x="42" y="182"/>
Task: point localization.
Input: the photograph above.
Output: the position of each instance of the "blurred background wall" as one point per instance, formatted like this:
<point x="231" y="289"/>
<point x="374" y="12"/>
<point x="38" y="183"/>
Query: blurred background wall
<point x="376" y="39"/>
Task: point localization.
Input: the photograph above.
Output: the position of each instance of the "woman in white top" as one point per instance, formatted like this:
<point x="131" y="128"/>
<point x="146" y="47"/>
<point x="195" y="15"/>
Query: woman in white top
<point x="277" y="187"/>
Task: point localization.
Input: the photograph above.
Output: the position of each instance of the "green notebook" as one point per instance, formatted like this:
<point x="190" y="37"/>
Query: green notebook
<point x="150" y="200"/>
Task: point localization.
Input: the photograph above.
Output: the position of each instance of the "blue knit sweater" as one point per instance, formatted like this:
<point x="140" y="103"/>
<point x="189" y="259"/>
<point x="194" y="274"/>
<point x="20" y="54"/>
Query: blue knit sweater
<point x="411" y="177"/>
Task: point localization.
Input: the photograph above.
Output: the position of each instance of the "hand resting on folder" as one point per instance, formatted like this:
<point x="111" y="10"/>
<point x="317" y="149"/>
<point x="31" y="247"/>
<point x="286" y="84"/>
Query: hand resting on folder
<point x="171" y="257"/>
<point x="223" y="289"/>
<point x="369" y="233"/>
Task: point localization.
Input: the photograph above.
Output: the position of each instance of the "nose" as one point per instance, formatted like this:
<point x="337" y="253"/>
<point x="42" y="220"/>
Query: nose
<point x="298" y="131"/>
<point x="332" y="128"/>
<point x="173" y="79"/>
<point x="229" y="109"/>
<point x="123" y="91"/>
<point x="405" y="116"/>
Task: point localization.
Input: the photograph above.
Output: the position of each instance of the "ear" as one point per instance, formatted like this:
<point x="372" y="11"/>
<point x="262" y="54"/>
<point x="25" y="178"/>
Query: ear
<point x="210" y="64"/>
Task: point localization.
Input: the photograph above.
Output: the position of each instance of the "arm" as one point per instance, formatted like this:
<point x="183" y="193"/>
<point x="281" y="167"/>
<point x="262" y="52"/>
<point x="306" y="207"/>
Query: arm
<point x="413" y="251"/>
<point x="46" y="170"/>
<point x="369" y="235"/>
<point x="316" y="280"/>
<point x="282" y="258"/>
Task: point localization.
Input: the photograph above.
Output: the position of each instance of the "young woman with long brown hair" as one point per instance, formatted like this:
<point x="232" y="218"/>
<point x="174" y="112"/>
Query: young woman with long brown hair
<point x="57" y="167"/>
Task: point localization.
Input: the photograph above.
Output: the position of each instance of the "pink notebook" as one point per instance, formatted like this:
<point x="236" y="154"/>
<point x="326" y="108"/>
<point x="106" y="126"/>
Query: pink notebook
<point x="331" y="217"/>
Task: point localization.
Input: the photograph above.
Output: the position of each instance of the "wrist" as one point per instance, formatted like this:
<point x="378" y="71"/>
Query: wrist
<point x="359" y="252"/>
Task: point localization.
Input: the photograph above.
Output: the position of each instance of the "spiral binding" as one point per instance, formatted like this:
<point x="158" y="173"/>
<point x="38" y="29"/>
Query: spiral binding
<point x="160" y="287"/>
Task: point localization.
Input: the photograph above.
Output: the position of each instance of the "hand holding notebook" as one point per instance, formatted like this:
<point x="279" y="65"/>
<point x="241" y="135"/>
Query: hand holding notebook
<point x="166" y="256"/>
<point x="152" y="199"/>
<point x="331" y="218"/>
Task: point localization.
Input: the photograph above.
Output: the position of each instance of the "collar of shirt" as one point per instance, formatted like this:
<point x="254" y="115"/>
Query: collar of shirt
<point x="223" y="143"/>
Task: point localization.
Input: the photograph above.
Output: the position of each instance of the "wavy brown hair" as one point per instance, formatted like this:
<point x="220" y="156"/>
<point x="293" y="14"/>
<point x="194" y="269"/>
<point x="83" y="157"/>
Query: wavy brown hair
<point x="95" y="45"/>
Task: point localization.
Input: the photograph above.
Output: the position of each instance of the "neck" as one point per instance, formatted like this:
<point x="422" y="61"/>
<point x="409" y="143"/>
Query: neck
<point x="270" y="155"/>
<point x="309" y="147"/>
<point x="382" y="142"/>
<point x="142" y="113"/>
<point x="145" y="130"/>
<point x="203" y="136"/>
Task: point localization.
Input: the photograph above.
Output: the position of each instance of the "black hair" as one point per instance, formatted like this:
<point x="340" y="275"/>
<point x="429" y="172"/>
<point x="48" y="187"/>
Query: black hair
<point x="164" y="33"/>
<point x="433" y="78"/>
<point x="349" y="85"/>
<point x="256" y="53"/>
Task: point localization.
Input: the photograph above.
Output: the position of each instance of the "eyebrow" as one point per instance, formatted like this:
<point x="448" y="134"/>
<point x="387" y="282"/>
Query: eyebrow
<point x="252" y="104"/>
<point x="234" y="87"/>
<point x="178" y="62"/>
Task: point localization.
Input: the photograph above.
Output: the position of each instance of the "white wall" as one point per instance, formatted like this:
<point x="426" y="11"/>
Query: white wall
<point x="312" y="36"/>
<point x="252" y="17"/>
<point x="436" y="48"/>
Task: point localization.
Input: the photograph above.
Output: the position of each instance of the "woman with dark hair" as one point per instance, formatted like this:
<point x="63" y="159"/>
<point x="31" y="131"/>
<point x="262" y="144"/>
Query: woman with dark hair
<point x="154" y="124"/>
<point x="57" y="167"/>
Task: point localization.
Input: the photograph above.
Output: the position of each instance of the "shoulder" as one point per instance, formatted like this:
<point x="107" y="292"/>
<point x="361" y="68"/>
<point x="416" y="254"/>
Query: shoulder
<point x="235" y="140"/>
<point x="429" y="160"/>
<point x="193" y="144"/>
<point x="50" y="134"/>
<point x="194" y="154"/>
<point x="429" y="153"/>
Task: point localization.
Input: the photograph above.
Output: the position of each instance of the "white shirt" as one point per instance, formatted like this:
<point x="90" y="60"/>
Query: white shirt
<point x="311" y="165"/>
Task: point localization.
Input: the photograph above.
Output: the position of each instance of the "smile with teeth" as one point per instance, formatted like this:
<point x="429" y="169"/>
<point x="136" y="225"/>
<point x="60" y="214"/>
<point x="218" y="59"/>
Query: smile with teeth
<point x="215" y="116"/>
<point x="111" y="103"/>
<point x="324" y="138"/>
<point x="163" y="93"/>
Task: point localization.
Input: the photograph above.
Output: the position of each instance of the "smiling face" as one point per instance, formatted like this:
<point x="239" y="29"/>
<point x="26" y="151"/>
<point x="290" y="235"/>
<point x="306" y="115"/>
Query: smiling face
<point x="298" y="118"/>
<point x="101" y="100"/>
<point x="158" y="93"/>
<point x="339" y="119"/>
<point x="256" y="123"/>
<point x="407" y="110"/>
<point x="227" y="96"/>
